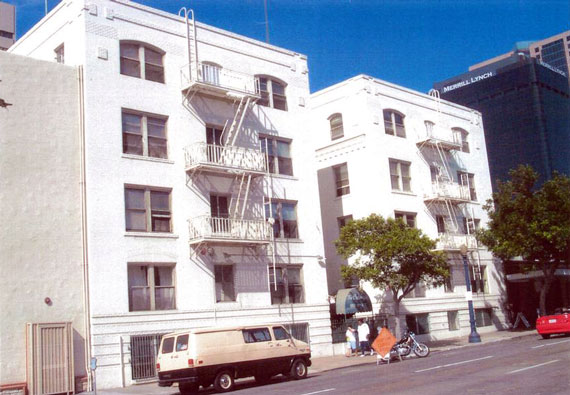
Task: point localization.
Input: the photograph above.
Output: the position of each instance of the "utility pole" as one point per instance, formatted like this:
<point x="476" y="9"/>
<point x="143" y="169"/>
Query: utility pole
<point x="266" y="22"/>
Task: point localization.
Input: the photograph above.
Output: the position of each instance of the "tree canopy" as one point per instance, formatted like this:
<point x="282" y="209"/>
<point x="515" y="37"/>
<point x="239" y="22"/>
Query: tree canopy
<point x="530" y="222"/>
<point x="390" y="255"/>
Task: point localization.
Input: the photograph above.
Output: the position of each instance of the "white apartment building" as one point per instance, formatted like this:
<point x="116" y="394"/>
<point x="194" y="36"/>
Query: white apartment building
<point x="385" y="149"/>
<point x="200" y="210"/>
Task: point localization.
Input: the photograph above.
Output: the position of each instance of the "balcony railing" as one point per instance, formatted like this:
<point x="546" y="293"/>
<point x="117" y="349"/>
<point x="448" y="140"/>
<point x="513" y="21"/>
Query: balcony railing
<point x="446" y="139"/>
<point x="224" y="158"/>
<point x="452" y="242"/>
<point x="208" y="228"/>
<point x="448" y="190"/>
<point x="219" y="79"/>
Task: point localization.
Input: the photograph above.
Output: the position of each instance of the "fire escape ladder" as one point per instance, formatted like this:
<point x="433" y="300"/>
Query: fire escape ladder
<point x="236" y="208"/>
<point x="244" y="204"/>
<point x="229" y="135"/>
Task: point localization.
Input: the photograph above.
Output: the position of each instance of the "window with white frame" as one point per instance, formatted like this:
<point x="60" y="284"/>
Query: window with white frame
<point x="418" y="323"/>
<point x="285" y="215"/>
<point x="286" y="285"/>
<point x="463" y="138"/>
<point x="394" y="123"/>
<point x="341" y="179"/>
<point x="211" y="73"/>
<point x="468" y="180"/>
<point x="278" y="153"/>
<point x="337" y="128"/>
<point x="429" y="128"/>
<point x="144" y="134"/>
<point x="453" y="320"/>
<point x="400" y="175"/>
<point x="147" y="209"/>
<point x="478" y="277"/>
<point x="440" y="222"/>
<point x="272" y="93"/>
<point x="224" y="279"/>
<point x="406" y="217"/>
<point x="483" y="317"/>
<point x="471" y="225"/>
<point x="141" y="61"/>
<point x="151" y="287"/>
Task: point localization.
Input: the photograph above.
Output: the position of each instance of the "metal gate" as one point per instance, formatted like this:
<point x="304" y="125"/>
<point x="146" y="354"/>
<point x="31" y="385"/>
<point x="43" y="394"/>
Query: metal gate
<point x="50" y="358"/>
<point x="144" y="349"/>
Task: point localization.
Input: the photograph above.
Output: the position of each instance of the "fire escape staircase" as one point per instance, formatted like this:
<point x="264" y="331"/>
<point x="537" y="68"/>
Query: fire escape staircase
<point x="226" y="158"/>
<point x="447" y="197"/>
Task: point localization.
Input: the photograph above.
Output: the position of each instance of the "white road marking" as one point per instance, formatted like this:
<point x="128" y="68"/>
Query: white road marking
<point x="453" y="364"/>
<point x="551" y="344"/>
<point x="425" y="370"/>
<point x="534" y="366"/>
<point x="319" y="392"/>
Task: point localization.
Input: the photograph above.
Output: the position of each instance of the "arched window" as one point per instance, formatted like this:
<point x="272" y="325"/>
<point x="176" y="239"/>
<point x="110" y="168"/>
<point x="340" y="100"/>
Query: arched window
<point x="142" y="61"/>
<point x="337" y="129"/>
<point x="394" y="123"/>
<point x="211" y="73"/>
<point x="461" y="136"/>
<point x="272" y="92"/>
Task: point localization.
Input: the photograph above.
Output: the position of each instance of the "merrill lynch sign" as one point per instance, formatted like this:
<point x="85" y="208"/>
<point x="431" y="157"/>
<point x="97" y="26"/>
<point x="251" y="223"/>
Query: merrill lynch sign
<point x="468" y="81"/>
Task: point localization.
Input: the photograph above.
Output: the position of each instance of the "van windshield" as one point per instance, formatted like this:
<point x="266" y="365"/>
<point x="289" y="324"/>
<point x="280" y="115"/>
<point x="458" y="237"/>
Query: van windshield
<point x="167" y="345"/>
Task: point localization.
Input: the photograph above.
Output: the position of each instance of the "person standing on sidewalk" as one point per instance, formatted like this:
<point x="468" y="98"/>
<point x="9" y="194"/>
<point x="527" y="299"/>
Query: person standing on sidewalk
<point x="350" y="341"/>
<point x="363" y="337"/>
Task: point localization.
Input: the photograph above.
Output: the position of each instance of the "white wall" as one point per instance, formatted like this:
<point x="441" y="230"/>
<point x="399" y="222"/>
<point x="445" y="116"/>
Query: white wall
<point x="40" y="197"/>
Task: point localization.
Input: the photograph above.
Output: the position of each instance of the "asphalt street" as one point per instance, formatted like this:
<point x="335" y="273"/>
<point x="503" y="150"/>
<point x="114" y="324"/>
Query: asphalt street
<point x="526" y="365"/>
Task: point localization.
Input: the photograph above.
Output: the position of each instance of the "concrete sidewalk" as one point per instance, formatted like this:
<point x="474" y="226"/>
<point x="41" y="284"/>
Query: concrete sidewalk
<point x="323" y="364"/>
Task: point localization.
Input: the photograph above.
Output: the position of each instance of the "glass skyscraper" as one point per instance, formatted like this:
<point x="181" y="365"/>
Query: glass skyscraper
<point x="525" y="104"/>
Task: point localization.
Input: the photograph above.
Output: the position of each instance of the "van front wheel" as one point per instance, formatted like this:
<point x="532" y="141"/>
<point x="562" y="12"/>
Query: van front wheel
<point x="224" y="381"/>
<point x="299" y="369"/>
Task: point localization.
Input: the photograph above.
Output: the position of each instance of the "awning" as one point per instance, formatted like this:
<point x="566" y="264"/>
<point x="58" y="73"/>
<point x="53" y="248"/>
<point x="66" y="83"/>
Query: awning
<point x="520" y="277"/>
<point x="352" y="300"/>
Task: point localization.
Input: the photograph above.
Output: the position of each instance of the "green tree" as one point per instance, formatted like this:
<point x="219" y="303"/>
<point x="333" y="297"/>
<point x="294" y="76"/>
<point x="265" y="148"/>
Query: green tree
<point x="532" y="223"/>
<point x="391" y="256"/>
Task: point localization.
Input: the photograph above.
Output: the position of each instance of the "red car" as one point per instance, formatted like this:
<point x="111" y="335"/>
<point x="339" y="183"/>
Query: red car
<point x="557" y="323"/>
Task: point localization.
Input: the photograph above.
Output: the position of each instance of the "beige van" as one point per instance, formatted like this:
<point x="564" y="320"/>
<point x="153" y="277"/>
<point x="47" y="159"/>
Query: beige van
<point x="218" y="356"/>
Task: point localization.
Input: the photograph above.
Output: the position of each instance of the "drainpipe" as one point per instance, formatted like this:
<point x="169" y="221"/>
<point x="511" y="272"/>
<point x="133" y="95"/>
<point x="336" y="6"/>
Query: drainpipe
<point x="84" y="241"/>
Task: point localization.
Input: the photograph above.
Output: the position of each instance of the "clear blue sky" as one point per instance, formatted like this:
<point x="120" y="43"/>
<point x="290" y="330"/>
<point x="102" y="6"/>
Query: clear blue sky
<point x="408" y="42"/>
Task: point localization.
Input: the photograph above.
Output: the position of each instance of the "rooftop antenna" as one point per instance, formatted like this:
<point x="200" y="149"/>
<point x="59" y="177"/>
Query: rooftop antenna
<point x="45" y="6"/>
<point x="266" y="22"/>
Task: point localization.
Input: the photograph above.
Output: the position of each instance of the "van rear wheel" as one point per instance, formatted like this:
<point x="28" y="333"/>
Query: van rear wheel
<point x="188" y="388"/>
<point x="224" y="381"/>
<point x="299" y="369"/>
